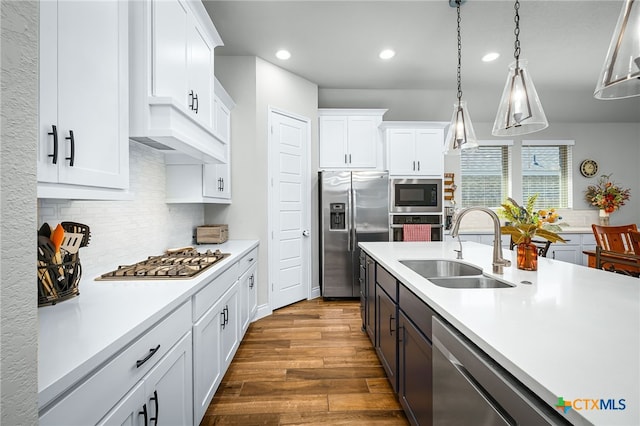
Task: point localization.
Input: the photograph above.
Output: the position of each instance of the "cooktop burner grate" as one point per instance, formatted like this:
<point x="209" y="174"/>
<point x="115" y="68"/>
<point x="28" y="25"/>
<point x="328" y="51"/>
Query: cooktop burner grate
<point x="174" y="264"/>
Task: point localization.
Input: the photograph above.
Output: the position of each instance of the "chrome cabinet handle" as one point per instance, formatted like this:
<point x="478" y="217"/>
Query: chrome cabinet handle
<point x="54" y="133"/>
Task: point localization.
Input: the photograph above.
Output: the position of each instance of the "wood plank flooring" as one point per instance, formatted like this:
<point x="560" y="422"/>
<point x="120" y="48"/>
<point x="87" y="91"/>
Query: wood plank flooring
<point x="307" y="364"/>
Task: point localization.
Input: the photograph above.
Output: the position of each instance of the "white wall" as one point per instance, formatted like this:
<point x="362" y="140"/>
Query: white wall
<point x="255" y="85"/>
<point x="124" y="232"/>
<point x="18" y="292"/>
<point x="616" y="146"/>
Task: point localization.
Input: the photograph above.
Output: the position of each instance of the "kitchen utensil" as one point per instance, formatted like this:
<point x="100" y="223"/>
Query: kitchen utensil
<point x="72" y="242"/>
<point x="56" y="239"/>
<point x="78" y="228"/>
<point x="45" y="230"/>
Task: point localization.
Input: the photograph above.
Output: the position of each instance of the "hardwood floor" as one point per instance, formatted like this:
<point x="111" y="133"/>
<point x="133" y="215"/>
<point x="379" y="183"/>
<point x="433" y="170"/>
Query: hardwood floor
<point x="307" y="364"/>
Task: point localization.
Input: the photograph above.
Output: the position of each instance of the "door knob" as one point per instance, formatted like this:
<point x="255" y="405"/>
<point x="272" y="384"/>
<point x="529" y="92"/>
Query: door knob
<point x="306" y="233"/>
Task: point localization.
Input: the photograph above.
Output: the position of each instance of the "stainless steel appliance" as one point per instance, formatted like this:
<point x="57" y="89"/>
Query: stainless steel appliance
<point x="415" y="196"/>
<point x="399" y="220"/>
<point x="490" y="395"/>
<point x="353" y="208"/>
<point x="183" y="263"/>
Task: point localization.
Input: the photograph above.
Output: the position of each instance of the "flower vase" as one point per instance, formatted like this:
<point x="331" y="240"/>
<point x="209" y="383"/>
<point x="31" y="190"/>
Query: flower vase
<point x="604" y="217"/>
<point x="527" y="255"/>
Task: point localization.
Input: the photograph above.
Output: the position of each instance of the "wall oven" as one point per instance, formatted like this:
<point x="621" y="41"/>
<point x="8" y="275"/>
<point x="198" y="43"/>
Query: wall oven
<point x="415" y="196"/>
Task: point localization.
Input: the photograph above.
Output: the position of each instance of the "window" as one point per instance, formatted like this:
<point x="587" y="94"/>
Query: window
<point x="484" y="174"/>
<point x="546" y="171"/>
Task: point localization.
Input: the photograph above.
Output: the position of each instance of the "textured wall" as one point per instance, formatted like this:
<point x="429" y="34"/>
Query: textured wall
<point x="125" y="232"/>
<point x="18" y="300"/>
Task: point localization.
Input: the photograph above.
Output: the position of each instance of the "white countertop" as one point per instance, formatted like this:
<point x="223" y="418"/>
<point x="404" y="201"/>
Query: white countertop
<point x="79" y="334"/>
<point x="573" y="333"/>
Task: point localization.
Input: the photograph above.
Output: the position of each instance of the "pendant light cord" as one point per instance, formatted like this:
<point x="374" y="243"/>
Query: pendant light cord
<point x="459" y="55"/>
<point x="516" y="31"/>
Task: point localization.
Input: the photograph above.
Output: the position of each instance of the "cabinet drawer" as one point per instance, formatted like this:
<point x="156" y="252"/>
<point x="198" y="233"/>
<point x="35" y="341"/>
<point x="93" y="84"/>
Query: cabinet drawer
<point x="209" y="295"/>
<point x="387" y="281"/>
<point x="248" y="260"/>
<point x="88" y="402"/>
<point x="416" y="310"/>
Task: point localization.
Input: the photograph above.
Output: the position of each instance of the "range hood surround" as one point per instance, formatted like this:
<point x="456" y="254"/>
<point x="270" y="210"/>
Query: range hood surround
<point x="167" y="127"/>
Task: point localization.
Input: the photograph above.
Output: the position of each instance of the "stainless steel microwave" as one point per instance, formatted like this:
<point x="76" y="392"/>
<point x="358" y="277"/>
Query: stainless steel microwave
<point x="415" y="196"/>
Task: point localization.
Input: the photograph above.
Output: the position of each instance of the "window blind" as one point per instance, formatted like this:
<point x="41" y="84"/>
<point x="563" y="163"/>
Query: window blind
<point x="484" y="177"/>
<point x="546" y="171"/>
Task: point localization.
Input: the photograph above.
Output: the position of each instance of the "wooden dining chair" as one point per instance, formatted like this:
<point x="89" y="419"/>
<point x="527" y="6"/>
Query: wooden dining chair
<point x="618" y="248"/>
<point x="616" y="238"/>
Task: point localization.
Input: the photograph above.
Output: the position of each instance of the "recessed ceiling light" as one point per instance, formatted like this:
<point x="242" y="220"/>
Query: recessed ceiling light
<point x="387" y="54"/>
<point x="490" y="57"/>
<point x="283" y="54"/>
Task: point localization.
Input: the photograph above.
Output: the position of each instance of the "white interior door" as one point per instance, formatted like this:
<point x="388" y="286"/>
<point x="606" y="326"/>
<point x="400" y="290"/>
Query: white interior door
<point x="289" y="200"/>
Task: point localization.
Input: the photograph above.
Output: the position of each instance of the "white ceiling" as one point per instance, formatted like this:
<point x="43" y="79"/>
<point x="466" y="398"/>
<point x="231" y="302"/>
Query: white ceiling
<point x="335" y="44"/>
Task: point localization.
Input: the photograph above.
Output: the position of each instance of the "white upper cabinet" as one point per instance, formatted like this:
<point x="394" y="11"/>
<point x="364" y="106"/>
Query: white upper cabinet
<point x="189" y="181"/>
<point x="414" y="148"/>
<point x="83" y="149"/>
<point x="172" y="78"/>
<point x="350" y="138"/>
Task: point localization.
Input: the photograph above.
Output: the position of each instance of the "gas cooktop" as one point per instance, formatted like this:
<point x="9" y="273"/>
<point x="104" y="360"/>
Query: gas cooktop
<point x="183" y="263"/>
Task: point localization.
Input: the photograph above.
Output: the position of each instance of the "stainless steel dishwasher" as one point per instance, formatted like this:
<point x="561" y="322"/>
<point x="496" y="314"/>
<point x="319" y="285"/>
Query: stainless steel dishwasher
<point x="469" y="388"/>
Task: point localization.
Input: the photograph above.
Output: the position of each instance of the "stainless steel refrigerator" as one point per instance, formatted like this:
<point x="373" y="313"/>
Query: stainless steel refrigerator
<point x="354" y="207"/>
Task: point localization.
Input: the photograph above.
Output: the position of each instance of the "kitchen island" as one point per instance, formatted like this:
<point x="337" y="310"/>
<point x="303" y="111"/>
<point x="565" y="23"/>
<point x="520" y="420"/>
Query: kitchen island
<point x="89" y="341"/>
<point x="572" y="333"/>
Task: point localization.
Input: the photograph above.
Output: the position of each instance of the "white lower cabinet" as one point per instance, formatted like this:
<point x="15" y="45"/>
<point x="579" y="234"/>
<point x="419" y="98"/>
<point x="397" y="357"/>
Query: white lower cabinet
<point x="163" y="396"/>
<point x="132" y="377"/>
<point x="169" y="374"/>
<point x="218" y="331"/>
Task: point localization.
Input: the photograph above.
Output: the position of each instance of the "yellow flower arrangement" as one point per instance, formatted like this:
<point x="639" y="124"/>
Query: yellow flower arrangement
<point x="527" y="223"/>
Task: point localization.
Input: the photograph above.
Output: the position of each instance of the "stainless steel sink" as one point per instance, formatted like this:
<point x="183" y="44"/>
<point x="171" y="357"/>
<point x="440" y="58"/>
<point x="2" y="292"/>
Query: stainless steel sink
<point x="431" y="268"/>
<point x="469" y="282"/>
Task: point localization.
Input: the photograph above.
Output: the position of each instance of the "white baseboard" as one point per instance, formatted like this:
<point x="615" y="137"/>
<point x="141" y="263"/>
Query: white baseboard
<point x="263" y="311"/>
<point x="315" y="293"/>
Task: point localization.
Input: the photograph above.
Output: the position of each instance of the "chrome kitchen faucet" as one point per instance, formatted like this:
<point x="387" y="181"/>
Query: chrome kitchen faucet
<point x="498" y="261"/>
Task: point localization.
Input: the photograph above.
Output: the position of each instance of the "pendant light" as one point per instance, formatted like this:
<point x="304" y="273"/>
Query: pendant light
<point x="620" y="75"/>
<point x="461" y="134"/>
<point x="520" y="111"/>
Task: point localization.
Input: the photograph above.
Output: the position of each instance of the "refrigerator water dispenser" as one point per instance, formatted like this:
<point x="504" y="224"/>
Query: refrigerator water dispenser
<point x="337" y="211"/>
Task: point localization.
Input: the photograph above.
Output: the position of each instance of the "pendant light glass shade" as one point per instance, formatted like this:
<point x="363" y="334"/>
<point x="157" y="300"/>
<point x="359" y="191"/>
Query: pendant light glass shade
<point x="620" y="75"/>
<point x="461" y="134"/>
<point x="520" y="111"/>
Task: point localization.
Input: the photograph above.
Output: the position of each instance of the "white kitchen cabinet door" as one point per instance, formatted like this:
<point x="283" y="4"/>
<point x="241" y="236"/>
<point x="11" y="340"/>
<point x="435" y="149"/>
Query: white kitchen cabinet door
<point x="129" y="411"/>
<point x="207" y="359"/>
<point x="401" y="151"/>
<point x="362" y="141"/>
<point x="168" y="386"/>
<point x="415" y="152"/>
<point x="428" y="152"/>
<point x="217" y="181"/>
<point x="565" y="253"/>
<point x="84" y="94"/>
<point x="183" y="60"/>
<point x="200" y="74"/>
<point x="170" y="18"/>
<point x="248" y="299"/>
<point x="333" y="142"/>
<point x="222" y="116"/>
<point x="231" y="328"/>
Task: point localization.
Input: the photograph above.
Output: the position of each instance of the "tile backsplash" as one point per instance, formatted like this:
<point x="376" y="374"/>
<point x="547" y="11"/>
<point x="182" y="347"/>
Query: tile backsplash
<point x="124" y="232"/>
